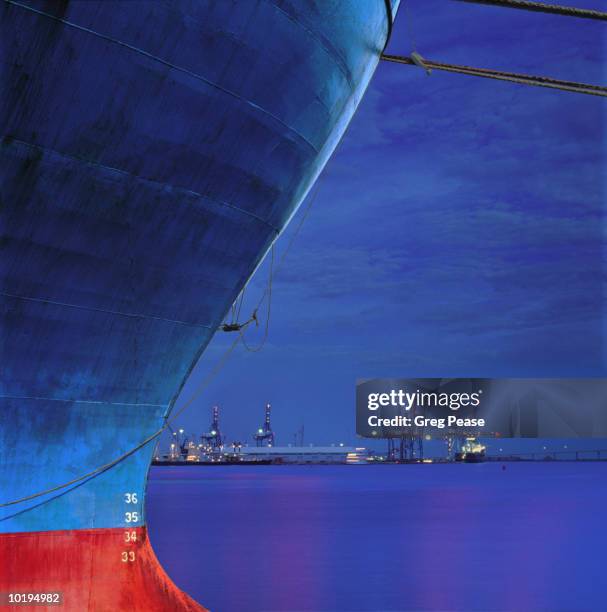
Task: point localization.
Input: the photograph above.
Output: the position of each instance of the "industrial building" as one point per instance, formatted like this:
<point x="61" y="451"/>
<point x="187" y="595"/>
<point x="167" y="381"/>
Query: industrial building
<point x="305" y="454"/>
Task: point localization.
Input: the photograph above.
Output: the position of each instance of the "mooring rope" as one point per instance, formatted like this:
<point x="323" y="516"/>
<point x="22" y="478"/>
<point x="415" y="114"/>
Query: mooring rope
<point x="240" y="327"/>
<point x="541" y="7"/>
<point x="513" y="77"/>
<point x="256" y="349"/>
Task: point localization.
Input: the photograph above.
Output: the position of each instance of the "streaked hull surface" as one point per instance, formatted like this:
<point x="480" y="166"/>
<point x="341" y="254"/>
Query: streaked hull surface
<point x="150" y="154"/>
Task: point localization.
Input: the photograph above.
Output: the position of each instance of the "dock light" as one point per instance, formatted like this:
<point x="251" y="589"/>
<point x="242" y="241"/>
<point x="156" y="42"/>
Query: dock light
<point x="213" y="433"/>
<point x="260" y="430"/>
<point x="181" y="431"/>
<point x="341" y="443"/>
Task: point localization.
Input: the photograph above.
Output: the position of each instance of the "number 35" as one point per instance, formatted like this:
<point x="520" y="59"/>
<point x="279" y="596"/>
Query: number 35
<point x="131" y="517"/>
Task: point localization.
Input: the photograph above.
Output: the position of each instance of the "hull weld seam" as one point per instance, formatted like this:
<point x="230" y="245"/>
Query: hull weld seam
<point x="185" y="190"/>
<point x="330" y="51"/>
<point x="102" y="310"/>
<point x="155" y="58"/>
<point x="80" y="401"/>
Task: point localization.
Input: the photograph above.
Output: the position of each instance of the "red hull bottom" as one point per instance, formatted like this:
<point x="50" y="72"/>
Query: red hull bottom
<point x="105" y="570"/>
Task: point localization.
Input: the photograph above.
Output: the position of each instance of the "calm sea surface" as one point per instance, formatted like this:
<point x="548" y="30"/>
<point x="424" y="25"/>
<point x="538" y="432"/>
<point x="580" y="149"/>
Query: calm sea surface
<point x="375" y="538"/>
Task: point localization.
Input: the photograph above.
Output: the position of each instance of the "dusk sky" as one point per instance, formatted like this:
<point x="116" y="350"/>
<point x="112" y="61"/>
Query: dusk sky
<point x="459" y="230"/>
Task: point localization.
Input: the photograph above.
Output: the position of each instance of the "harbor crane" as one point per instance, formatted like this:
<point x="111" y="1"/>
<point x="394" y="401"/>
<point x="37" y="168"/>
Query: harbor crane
<point x="265" y="433"/>
<point x="213" y="438"/>
<point x="406" y="448"/>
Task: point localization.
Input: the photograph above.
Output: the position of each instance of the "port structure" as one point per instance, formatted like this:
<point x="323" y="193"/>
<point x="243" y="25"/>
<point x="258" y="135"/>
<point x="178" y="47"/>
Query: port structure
<point x="179" y="444"/>
<point x="264" y="435"/>
<point x="406" y="448"/>
<point x="213" y="440"/>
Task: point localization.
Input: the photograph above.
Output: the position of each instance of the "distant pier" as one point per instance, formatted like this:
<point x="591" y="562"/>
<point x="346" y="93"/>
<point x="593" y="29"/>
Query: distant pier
<point x="275" y="455"/>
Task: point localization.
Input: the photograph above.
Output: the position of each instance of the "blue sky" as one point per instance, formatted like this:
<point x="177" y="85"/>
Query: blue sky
<point x="459" y="229"/>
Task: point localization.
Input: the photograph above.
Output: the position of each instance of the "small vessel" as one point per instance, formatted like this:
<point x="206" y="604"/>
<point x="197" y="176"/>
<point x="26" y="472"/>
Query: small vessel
<point x="472" y="451"/>
<point x="150" y="155"/>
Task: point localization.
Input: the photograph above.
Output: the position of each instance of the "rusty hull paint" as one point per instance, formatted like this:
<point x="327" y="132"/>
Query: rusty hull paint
<point x="86" y="566"/>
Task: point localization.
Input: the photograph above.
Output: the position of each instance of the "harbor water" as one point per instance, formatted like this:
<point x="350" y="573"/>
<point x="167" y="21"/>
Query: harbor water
<point x="492" y="536"/>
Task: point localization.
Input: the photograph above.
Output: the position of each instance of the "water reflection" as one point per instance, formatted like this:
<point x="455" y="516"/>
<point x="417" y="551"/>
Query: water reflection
<point x="370" y="538"/>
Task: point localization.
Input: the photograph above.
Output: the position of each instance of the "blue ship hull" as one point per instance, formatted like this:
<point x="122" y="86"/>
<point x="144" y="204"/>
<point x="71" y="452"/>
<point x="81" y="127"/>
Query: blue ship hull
<point x="150" y="154"/>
